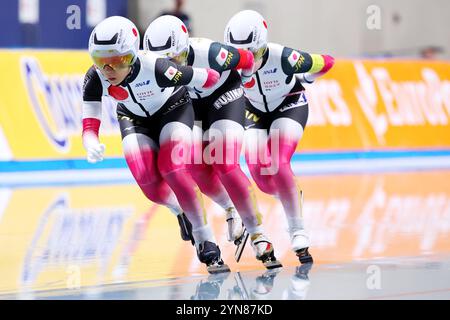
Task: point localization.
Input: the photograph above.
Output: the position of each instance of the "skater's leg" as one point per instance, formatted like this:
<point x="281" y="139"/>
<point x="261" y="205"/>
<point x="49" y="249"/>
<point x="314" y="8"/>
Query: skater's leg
<point x="140" y="155"/>
<point x="175" y="139"/>
<point x="210" y="184"/>
<point x="225" y="145"/>
<point x="284" y="136"/>
<point x="203" y="173"/>
<point x="257" y="157"/>
<point x="174" y="154"/>
<point x="227" y="137"/>
<point x="176" y="144"/>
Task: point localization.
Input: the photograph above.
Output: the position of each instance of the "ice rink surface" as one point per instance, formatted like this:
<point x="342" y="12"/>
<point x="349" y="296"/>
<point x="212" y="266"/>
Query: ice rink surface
<point x="374" y="236"/>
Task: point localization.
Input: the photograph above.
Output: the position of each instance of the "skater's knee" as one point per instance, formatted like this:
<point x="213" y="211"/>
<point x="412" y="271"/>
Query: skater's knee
<point x="154" y="192"/>
<point x="147" y="177"/>
<point x="144" y="170"/>
<point x="266" y="186"/>
<point x="284" y="179"/>
<point x="282" y="153"/>
<point x="262" y="180"/>
<point x="224" y="168"/>
<point x="173" y="156"/>
<point x="257" y="172"/>
<point x="282" y="170"/>
<point x="200" y="171"/>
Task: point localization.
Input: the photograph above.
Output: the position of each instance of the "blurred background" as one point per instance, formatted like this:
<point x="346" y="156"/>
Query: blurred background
<point x="347" y="28"/>
<point x="373" y="163"/>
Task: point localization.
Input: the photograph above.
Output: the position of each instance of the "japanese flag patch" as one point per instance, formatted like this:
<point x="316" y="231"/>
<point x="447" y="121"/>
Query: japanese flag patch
<point x="170" y="73"/>
<point x="293" y="57"/>
<point x="222" y="56"/>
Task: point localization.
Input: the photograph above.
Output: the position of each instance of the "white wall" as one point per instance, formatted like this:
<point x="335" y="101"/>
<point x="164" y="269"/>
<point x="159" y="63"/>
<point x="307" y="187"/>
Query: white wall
<point x="326" y="26"/>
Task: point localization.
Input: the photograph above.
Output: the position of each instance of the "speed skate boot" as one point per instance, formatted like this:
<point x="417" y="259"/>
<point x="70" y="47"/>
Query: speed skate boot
<point x="209" y="254"/>
<point x="236" y="228"/>
<point x="264" y="251"/>
<point x="300" y="245"/>
<point x="185" y="228"/>
<point x="237" y="233"/>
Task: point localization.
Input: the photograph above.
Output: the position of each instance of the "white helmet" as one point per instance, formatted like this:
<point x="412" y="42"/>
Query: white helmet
<point x="116" y="38"/>
<point x="247" y="30"/>
<point x="168" y="36"/>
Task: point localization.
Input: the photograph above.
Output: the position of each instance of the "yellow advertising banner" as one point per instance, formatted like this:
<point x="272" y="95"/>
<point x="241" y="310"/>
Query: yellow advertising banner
<point x="40" y="105"/>
<point x="370" y="104"/>
<point x="358" y="105"/>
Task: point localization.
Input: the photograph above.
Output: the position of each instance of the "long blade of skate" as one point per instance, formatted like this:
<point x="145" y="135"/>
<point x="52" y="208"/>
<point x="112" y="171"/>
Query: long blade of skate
<point x="216" y="268"/>
<point x="272" y="264"/>
<point x="241" y="245"/>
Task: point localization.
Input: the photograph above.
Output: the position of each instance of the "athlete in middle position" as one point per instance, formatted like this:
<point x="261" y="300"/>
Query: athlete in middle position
<point x="219" y="115"/>
<point x="277" y="112"/>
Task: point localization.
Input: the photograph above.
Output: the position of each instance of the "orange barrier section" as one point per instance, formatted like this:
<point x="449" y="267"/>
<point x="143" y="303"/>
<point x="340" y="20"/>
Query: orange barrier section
<point x="380" y="104"/>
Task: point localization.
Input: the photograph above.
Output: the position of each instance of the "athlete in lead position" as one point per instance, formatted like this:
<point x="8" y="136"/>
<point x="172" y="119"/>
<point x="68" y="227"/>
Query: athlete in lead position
<point x="219" y="114"/>
<point x="156" y="118"/>
<point x="276" y="114"/>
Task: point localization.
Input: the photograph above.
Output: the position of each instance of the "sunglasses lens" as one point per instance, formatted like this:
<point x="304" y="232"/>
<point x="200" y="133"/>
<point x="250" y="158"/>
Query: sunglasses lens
<point x="116" y="62"/>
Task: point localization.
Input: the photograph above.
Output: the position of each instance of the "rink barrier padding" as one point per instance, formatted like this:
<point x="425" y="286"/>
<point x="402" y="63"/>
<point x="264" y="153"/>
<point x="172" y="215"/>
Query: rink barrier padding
<point x="120" y="163"/>
<point x="358" y="107"/>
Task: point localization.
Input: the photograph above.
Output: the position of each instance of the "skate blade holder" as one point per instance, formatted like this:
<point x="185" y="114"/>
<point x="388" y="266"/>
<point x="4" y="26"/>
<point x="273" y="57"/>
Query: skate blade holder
<point x="304" y="256"/>
<point x="218" y="268"/>
<point x="272" y="264"/>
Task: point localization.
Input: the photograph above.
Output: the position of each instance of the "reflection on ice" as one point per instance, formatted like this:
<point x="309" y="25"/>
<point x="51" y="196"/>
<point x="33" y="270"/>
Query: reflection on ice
<point x="251" y="286"/>
<point x="71" y="238"/>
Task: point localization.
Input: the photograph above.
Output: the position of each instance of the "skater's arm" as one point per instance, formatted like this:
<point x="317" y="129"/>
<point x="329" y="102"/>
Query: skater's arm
<point x="169" y="74"/>
<point x="222" y="57"/>
<point x="91" y="115"/>
<point x="92" y="102"/>
<point x="310" y="65"/>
